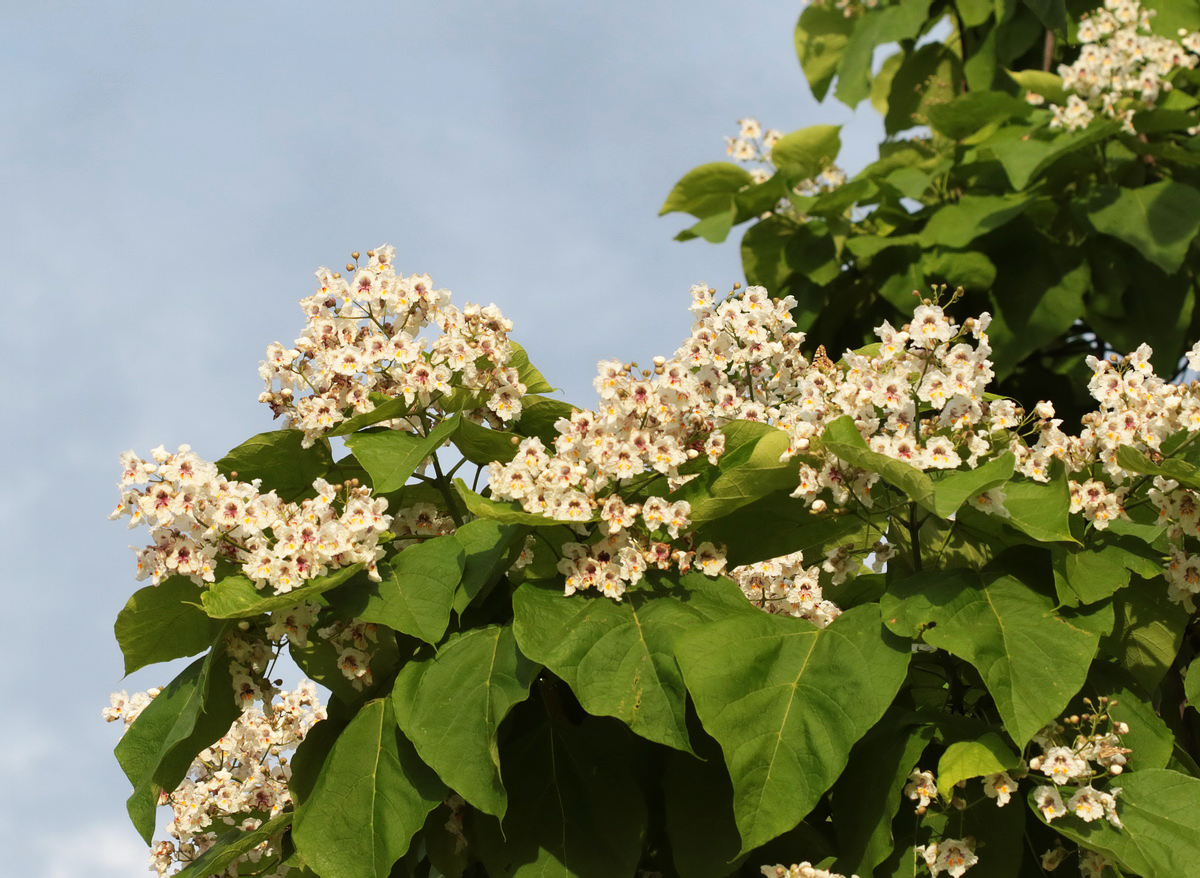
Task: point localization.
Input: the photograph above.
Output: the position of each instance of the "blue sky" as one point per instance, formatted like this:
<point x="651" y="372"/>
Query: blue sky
<point x="174" y="172"/>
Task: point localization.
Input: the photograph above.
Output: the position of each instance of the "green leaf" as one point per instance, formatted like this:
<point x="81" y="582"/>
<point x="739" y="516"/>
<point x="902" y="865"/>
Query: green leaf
<point x="901" y="21"/>
<point x="236" y="597"/>
<point x="1051" y="13"/>
<point x="868" y="794"/>
<point x="1024" y="154"/>
<point x="1147" y="633"/>
<point x="232" y="845"/>
<point x="481" y="445"/>
<point x="805" y="153"/>
<point x="504" y="512"/>
<point x="392" y="456"/>
<point x="952" y="488"/>
<point x="1148" y="737"/>
<point x="386" y="409"/>
<point x="964" y="760"/>
<point x="820" y="37"/>
<point x="960" y="223"/>
<point x="539" y="415"/>
<point x="707" y="190"/>
<point x="618" y="658"/>
<point x="970" y="270"/>
<point x="1181" y="471"/>
<point x="1160" y="221"/>
<point x="1160" y="810"/>
<point x="698" y="812"/>
<point x="162" y="622"/>
<point x="1032" y="660"/>
<point x="534" y="381"/>
<point x="1042" y="82"/>
<point x="370" y="799"/>
<point x="192" y="711"/>
<point x="749" y="469"/>
<point x="279" y="459"/>
<point x="794" y="528"/>
<point x="450" y="705"/>
<point x="787" y="701"/>
<point x="1041" y="510"/>
<point x="842" y="438"/>
<point x="575" y="810"/>
<point x="1086" y="574"/>
<point x="490" y="549"/>
<point x="416" y="590"/>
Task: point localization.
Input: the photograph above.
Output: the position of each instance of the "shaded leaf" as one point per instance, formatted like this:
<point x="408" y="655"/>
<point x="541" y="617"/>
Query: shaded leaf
<point x="1160" y="220"/>
<point x="1147" y="633"/>
<point x="575" y="811"/>
<point x="805" y="153"/>
<point x="503" y="511"/>
<point x="982" y="756"/>
<point x="960" y="223"/>
<point x="490" y="548"/>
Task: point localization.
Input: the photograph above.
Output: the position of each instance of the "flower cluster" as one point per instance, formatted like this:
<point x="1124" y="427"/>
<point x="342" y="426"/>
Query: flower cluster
<point x="239" y="781"/>
<point x="1067" y="760"/>
<point x="362" y="342"/>
<point x="803" y="870"/>
<point x="954" y="856"/>
<point x="753" y="146"/>
<point x="784" y="585"/>
<point x="197" y="516"/>
<point x="1121" y="66"/>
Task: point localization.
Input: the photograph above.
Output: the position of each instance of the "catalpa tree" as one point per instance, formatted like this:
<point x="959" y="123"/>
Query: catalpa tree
<point x="756" y="611"/>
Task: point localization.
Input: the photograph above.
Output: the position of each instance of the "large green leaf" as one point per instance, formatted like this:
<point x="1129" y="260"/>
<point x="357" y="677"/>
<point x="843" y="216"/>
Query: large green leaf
<point x="280" y="460"/>
<point x="1181" y="471"/>
<point x="416" y="590"/>
<point x="163" y="622"/>
<point x="960" y="223"/>
<point x="1051" y="13"/>
<point x="805" y="153"/>
<point x="698" y="811"/>
<point x="450" y="705"/>
<point x="192" y="711"/>
<point x="370" y="799"/>
<point x="952" y="488"/>
<point x="786" y="701"/>
<point x="490" y="548"/>
<point x="386" y="409"/>
<point x="618" y="658"/>
<point x="1160" y="810"/>
<point x="1147" y="633"/>
<point x="1086" y="574"/>
<point x="867" y="795"/>
<point x="232" y="845"/>
<point x="966" y="114"/>
<point x="236" y="597"/>
<point x="575" y="810"/>
<point x="1031" y="659"/>
<point x="707" y="190"/>
<point x="1160" y="221"/>
<point x="1148" y="737"/>
<point x="749" y="469"/>
<point x="392" y="456"/>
